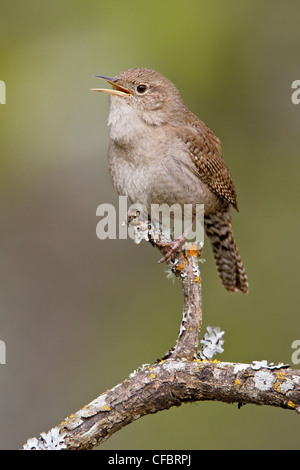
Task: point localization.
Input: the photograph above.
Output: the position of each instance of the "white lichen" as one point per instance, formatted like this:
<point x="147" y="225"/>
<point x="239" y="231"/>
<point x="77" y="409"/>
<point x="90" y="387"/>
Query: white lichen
<point x="139" y="369"/>
<point x="196" y="271"/>
<point x="140" y="230"/>
<point x="286" y="386"/>
<point x="240" y="368"/>
<point x="97" y="405"/>
<point x="296" y="379"/>
<point x="52" y="440"/>
<point x="170" y="274"/>
<point x="256" y="365"/>
<point x="213" y="342"/>
<point x="264" y="380"/>
<point x="182" y="325"/>
<point x="171" y="366"/>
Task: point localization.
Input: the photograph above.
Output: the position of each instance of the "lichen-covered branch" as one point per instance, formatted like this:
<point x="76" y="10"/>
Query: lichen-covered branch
<point x="184" y="264"/>
<point x="183" y="375"/>
<point x="172" y="383"/>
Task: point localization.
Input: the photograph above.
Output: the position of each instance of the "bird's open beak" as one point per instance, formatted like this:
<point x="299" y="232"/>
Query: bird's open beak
<point x="116" y="90"/>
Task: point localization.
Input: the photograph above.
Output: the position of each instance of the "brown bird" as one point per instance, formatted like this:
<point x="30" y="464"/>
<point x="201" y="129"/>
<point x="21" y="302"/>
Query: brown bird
<point x="160" y="152"/>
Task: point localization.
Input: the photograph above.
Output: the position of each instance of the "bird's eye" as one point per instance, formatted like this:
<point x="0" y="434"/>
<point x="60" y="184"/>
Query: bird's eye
<point x="142" y="88"/>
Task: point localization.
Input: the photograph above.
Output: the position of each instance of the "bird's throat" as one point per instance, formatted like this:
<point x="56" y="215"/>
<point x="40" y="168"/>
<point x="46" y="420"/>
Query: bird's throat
<point x="124" y="122"/>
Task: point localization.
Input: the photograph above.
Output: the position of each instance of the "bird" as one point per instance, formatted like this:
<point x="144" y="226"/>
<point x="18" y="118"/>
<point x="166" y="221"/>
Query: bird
<point x="161" y="153"/>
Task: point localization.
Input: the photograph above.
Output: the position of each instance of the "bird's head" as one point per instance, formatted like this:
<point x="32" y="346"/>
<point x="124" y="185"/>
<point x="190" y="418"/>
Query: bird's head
<point x="152" y="96"/>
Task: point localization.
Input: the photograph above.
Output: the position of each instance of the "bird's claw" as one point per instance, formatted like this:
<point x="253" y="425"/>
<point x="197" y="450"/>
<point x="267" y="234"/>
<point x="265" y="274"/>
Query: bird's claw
<point x="175" y="245"/>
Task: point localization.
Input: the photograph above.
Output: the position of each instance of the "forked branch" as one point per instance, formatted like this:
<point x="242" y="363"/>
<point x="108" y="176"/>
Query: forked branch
<point x="181" y="376"/>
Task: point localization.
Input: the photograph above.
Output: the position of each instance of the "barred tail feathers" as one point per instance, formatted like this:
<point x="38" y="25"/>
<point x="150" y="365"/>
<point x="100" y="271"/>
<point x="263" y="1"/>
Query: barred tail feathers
<point x="226" y="254"/>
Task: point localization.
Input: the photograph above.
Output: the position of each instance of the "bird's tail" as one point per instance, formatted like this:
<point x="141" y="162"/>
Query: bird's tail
<point x="227" y="257"/>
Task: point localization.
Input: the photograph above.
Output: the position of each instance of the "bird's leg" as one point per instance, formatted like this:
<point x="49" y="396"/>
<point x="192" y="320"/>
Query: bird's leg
<point x="175" y="244"/>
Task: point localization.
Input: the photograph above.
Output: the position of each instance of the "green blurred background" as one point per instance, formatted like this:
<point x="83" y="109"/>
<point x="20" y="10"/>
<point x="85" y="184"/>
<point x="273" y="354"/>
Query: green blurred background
<point x="78" y="314"/>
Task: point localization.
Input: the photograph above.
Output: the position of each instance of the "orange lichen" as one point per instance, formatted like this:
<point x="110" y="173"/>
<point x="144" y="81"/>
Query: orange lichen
<point x="179" y="267"/>
<point x="192" y="252"/>
<point x="277" y="386"/>
<point x="281" y="375"/>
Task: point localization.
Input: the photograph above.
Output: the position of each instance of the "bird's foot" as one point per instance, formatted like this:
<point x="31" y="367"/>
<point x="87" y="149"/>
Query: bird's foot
<point x="174" y="246"/>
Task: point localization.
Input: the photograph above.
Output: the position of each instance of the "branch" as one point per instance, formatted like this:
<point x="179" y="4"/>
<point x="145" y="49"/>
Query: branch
<point x="184" y="264"/>
<point x="183" y="375"/>
<point x="172" y="383"/>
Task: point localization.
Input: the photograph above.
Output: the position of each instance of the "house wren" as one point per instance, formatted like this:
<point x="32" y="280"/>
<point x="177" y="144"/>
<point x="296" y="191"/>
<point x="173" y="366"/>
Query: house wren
<point x="161" y="153"/>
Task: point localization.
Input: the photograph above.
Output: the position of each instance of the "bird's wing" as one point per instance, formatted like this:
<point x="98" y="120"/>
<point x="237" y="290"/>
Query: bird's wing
<point x="205" y="151"/>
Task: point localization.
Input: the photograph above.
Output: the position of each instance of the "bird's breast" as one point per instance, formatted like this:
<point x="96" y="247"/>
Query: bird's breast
<point x="160" y="173"/>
